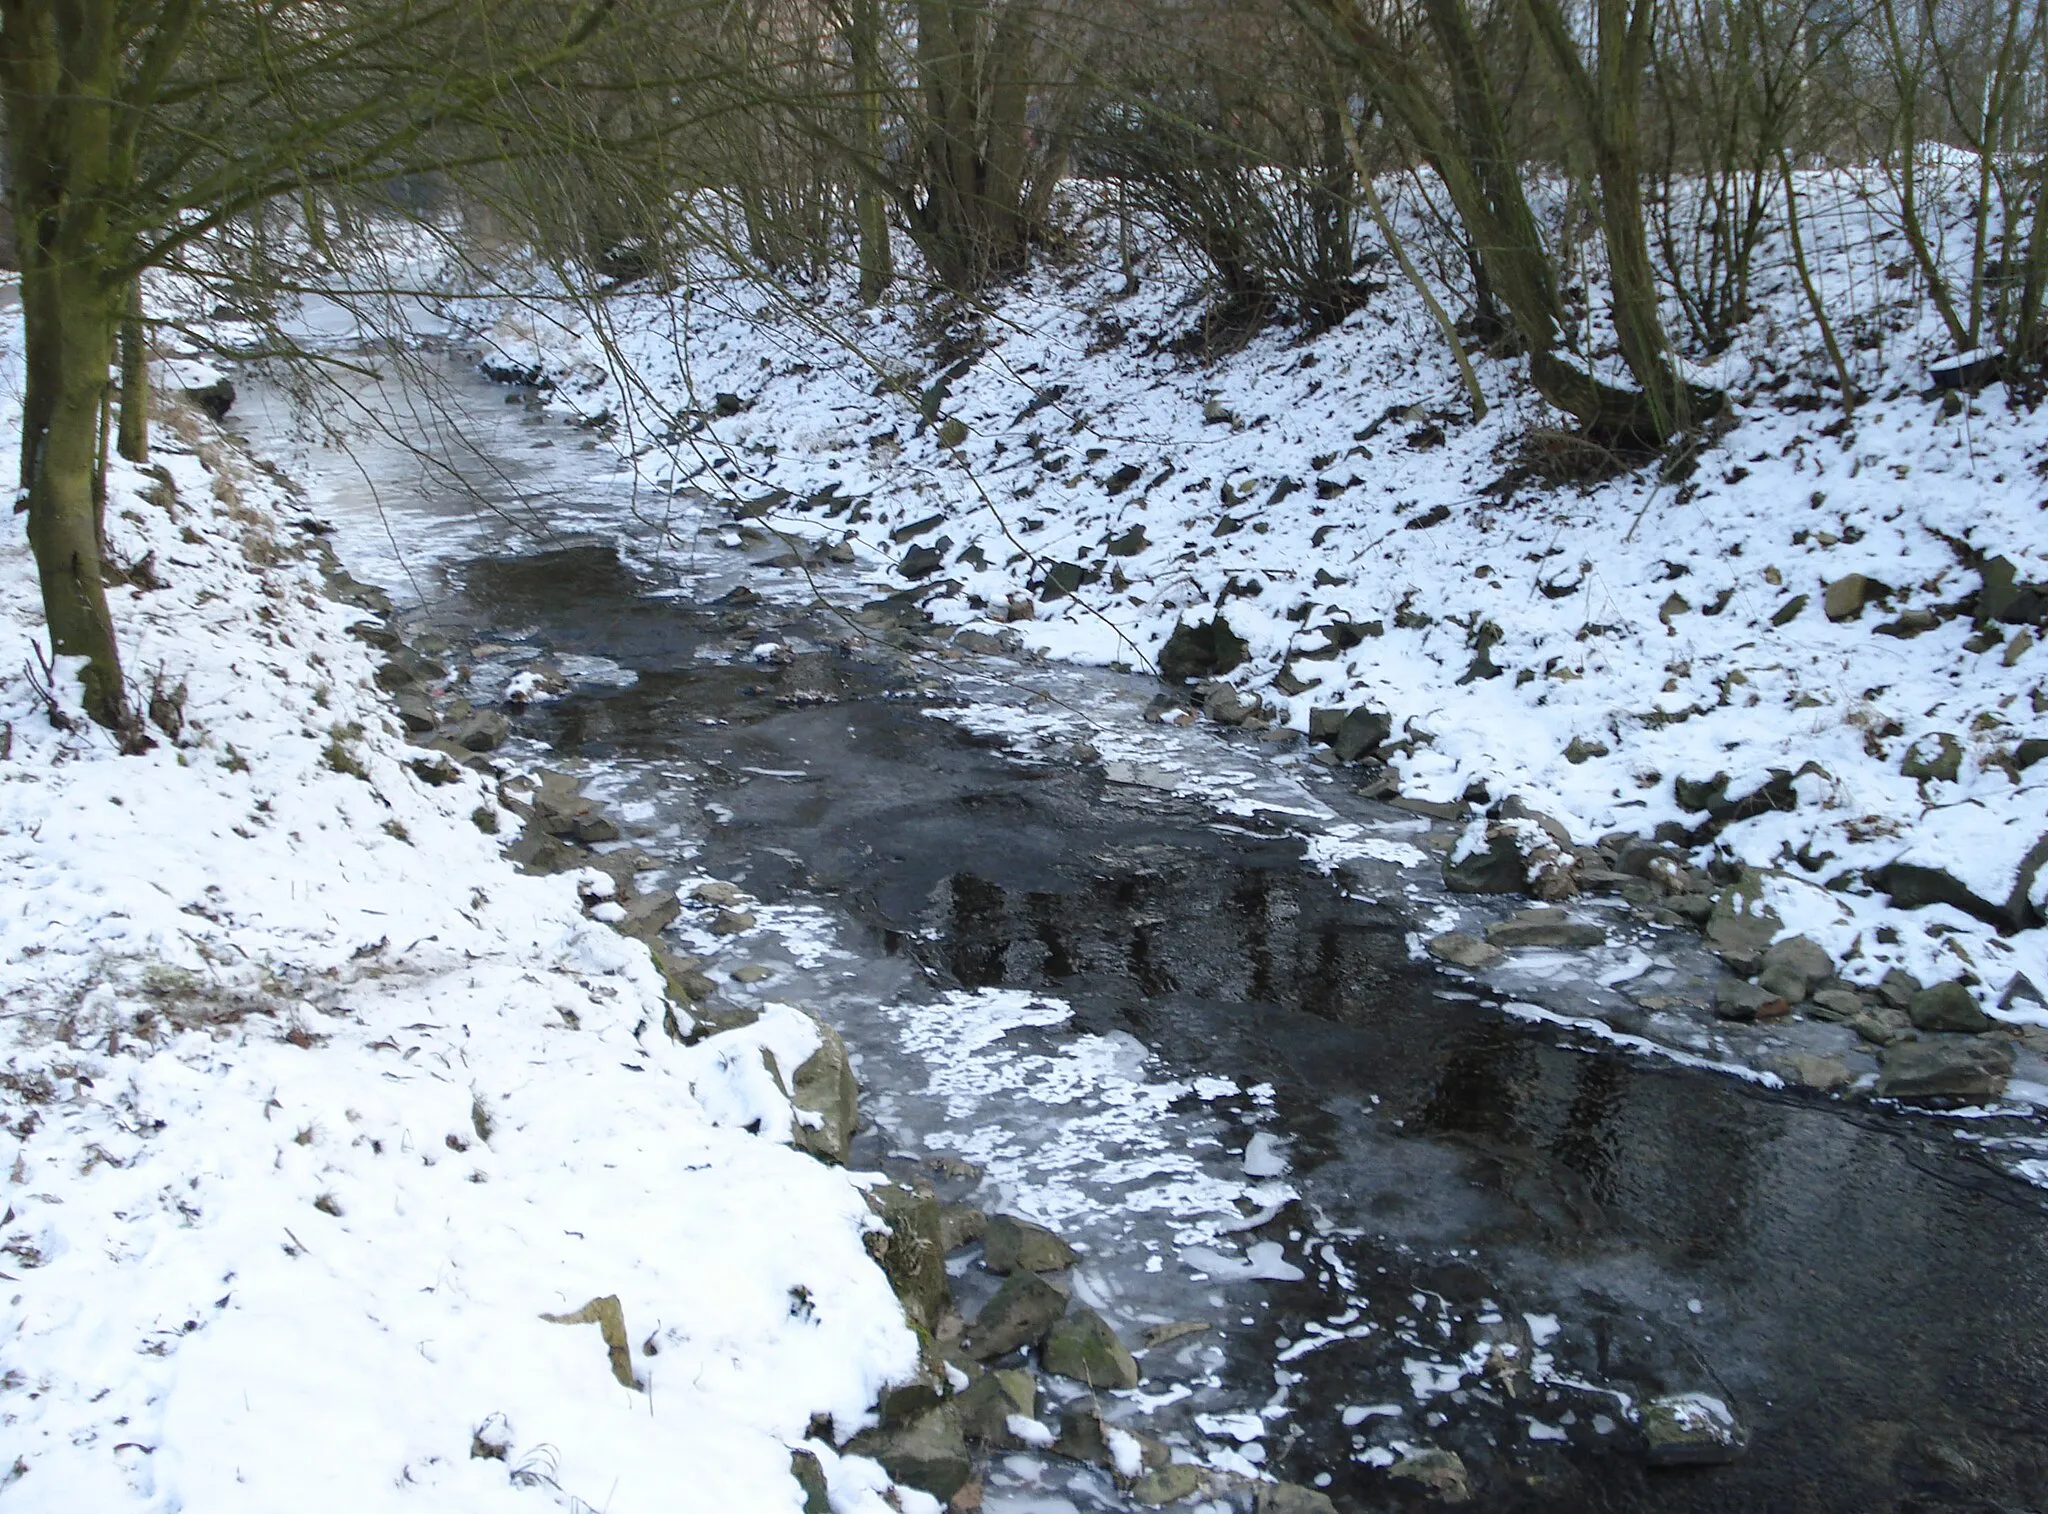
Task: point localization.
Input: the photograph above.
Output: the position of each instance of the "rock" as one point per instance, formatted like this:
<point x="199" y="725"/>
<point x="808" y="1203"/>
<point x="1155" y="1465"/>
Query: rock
<point x="911" y="1250"/>
<point x="1204" y="650"/>
<point x="1789" y="611"/>
<point x="1461" y="950"/>
<point x="1937" y="756"/>
<point x="1690" y="1430"/>
<point x="986" y="1405"/>
<point x="648" y="915"/>
<point x="216" y="398"/>
<point x="824" y="1092"/>
<point x="1971" y="1072"/>
<point x="1023" y="1309"/>
<point x="1130" y="544"/>
<point x="1740" y="921"/>
<point x="717" y="891"/>
<point x="1811" y="1070"/>
<point x="960" y="1225"/>
<point x="981" y="643"/>
<point x="1163" y="1335"/>
<point x="415" y="711"/>
<point x="731" y="922"/>
<point x="929" y="1452"/>
<point x="1084" y="1347"/>
<point x="1579" y="750"/>
<point x="1170" y="1484"/>
<point x="1288" y="1498"/>
<point x="1012" y="1245"/>
<point x="1881" y="1025"/>
<point x="752" y="973"/>
<point x="1226" y="706"/>
<point x="1216" y="413"/>
<point x="1737" y="1000"/>
<point x="1361" y="733"/>
<point x="810" y="1476"/>
<point x="1913" y="885"/>
<point x="1544" y="927"/>
<point x="1897" y="987"/>
<point x="2029" y="752"/>
<point x="1794" y="967"/>
<point x="1846" y="596"/>
<point x="1947" y="1006"/>
<point x="483" y="731"/>
<point x="1836" y="1003"/>
<point x="2004" y="597"/>
<point x="921" y="562"/>
<point x="1442" y="1473"/>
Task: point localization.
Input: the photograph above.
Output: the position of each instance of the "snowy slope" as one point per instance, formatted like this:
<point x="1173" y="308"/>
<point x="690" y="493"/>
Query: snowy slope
<point x="314" y="1106"/>
<point x="1333" y="496"/>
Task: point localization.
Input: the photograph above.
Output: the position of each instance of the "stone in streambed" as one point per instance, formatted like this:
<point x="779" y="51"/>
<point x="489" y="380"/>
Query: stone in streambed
<point x="1794" y="967"/>
<point x="1170" y="1484"/>
<point x="1544" y="928"/>
<point x="1361" y="733"/>
<point x="1084" y="1347"/>
<point x="1737" y="1000"/>
<point x="483" y="731"/>
<point x="960" y="1225"/>
<point x="929" y="1452"/>
<point x="1691" y="1430"/>
<point x="986" y="1405"/>
<point x="826" y="1099"/>
<point x="1947" y="1006"/>
<point x="1023" y="1309"/>
<point x="1973" y="1072"/>
<point x="1292" y="1498"/>
<point x="911" y="1250"/>
<point x="1013" y="1245"/>
<point x="1441" y="1472"/>
<point x="1462" y="950"/>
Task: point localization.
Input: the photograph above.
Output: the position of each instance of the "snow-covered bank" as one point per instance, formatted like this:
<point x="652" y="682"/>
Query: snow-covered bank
<point x="1818" y="605"/>
<point x="316" y="1107"/>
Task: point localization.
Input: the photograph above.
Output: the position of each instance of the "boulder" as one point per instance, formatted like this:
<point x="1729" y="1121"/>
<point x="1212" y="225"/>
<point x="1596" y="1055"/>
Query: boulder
<point x="1740" y="1001"/>
<point x="2004" y="597"/>
<point x="1169" y="1484"/>
<point x="1810" y="1070"/>
<point x="1881" y="1025"/>
<point x="1361" y="733"/>
<point x="415" y="711"/>
<point x="1226" y="706"/>
<point x="1441" y="1473"/>
<point x="921" y="562"/>
<point x="1011" y="1245"/>
<point x="928" y="1452"/>
<point x="1937" y="756"/>
<point x="1897" y="987"/>
<point x="1203" y="650"/>
<point x="1740" y="921"/>
<point x="216" y="398"/>
<point x="827" y="1099"/>
<point x="1846" y="596"/>
<point x="1947" y="1006"/>
<point x="1292" y="1498"/>
<point x="1835" y="1003"/>
<point x="1023" y="1309"/>
<point x="1544" y="927"/>
<point x="1912" y="885"/>
<point x="1691" y="1430"/>
<point x="985" y="1406"/>
<point x="1970" y="1072"/>
<point x="1794" y="967"/>
<point x="482" y="731"/>
<point x="1461" y="950"/>
<point x="648" y="915"/>
<point x="911" y="1250"/>
<point x="1496" y="866"/>
<point x="1084" y="1347"/>
<point x="960" y="1225"/>
<point x="810" y="1476"/>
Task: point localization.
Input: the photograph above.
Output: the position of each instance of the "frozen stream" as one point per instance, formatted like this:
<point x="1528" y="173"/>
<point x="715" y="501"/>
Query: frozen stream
<point x="1160" y="990"/>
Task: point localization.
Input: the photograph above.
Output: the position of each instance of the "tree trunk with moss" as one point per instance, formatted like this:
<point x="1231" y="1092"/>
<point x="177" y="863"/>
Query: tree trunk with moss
<point x="59" y="77"/>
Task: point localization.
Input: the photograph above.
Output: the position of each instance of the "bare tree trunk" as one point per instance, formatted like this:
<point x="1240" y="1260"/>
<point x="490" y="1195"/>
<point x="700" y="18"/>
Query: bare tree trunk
<point x="133" y="441"/>
<point x="58" y="77"/>
<point x="870" y="207"/>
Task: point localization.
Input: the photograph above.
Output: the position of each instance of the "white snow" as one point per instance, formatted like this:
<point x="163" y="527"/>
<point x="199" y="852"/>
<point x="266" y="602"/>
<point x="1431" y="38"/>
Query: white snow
<point x="314" y="1106"/>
